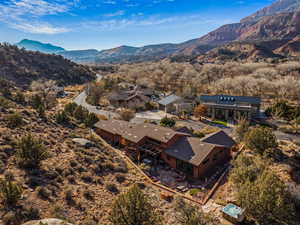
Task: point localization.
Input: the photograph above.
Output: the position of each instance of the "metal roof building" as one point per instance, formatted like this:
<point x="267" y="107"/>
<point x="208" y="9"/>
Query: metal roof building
<point x="169" y="100"/>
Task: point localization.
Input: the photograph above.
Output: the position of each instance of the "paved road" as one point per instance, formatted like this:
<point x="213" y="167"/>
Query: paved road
<point x="81" y="100"/>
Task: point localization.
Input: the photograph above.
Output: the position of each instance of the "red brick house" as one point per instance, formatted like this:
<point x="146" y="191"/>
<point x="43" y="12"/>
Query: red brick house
<point x="196" y="157"/>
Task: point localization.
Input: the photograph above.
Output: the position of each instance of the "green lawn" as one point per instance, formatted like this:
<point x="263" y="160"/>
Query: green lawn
<point x="223" y="123"/>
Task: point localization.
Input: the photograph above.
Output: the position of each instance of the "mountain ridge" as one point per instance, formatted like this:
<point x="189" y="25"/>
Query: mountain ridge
<point x="39" y="46"/>
<point x="271" y="27"/>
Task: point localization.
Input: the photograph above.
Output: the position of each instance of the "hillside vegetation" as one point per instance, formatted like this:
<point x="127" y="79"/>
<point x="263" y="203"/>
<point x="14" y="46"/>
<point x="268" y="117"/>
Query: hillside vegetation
<point x="22" y="67"/>
<point x="278" y="80"/>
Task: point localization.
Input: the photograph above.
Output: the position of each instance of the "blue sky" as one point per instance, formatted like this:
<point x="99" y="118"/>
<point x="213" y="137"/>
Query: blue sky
<point x="102" y="24"/>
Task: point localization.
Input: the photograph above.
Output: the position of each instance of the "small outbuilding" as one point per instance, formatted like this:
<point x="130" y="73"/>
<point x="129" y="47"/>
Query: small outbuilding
<point x="169" y="103"/>
<point x="233" y="213"/>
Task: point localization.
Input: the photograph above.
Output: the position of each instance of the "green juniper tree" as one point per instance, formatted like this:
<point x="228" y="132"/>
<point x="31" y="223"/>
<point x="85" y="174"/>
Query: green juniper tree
<point x="31" y="151"/>
<point x="10" y="192"/>
<point x="133" y="208"/>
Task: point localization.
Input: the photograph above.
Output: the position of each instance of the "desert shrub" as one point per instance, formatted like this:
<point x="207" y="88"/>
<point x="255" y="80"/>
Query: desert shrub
<point x="108" y="166"/>
<point x="36" y="101"/>
<point x="260" y="139"/>
<point x="281" y="109"/>
<point x="241" y="129"/>
<point x="14" y="120"/>
<point x="69" y="197"/>
<point x="87" y="178"/>
<point x="70" y="108"/>
<point x="62" y="118"/>
<point x="199" y="134"/>
<point x="9" y="176"/>
<point x="89" y="195"/>
<point x="127" y="114"/>
<point x="73" y="163"/>
<point x="2" y="166"/>
<point x="43" y="192"/>
<point x="133" y="208"/>
<point x="71" y="179"/>
<point x="246" y="169"/>
<point x="30" y="212"/>
<point x="167" y="122"/>
<point x="10" y="192"/>
<point x="4" y="103"/>
<point x="120" y="178"/>
<point x="31" y="151"/>
<point x="267" y="200"/>
<point x="80" y="113"/>
<point x="121" y="167"/>
<point x="192" y="215"/>
<point x="20" y="98"/>
<point x="41" y="111"/>
<point x="149" y="106"/>
<point x="112" y="188"/>
<point x="91" y="119"/>
<point x="11" y="218"/>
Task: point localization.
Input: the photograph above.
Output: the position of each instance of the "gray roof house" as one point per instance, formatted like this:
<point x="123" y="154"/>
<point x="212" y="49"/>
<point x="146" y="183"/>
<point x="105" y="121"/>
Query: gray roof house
<point x="168" y="104"/>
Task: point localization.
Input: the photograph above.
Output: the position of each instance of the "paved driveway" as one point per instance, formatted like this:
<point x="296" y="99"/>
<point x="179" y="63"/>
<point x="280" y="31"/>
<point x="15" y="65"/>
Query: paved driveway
<point x="152" y="115"/>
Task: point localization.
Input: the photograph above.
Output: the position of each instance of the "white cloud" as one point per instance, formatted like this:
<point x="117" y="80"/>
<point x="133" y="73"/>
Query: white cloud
<point x="38" y="28"/>
<point x="25" y="15"/>
<point x="114" y="14"/>
<point x="111" y="2"/>
<point x="137" y="21"/>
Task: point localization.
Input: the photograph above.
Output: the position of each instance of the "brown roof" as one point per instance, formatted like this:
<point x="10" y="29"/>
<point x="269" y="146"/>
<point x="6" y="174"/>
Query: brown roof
<point x="195" y="150"/>
<point x="191" y="150"/>
<point x="136" y="132"/>
<point x="219" y="138"/>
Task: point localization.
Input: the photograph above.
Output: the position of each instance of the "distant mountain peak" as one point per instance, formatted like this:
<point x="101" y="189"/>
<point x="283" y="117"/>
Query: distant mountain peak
<point x="39" y="46"/>
<point x="279" y="6"/>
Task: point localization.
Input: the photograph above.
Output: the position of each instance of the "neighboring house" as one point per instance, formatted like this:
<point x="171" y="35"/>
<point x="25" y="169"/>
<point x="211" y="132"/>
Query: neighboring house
<point x="170" y="103"/>
<point x="133" y="98"/>
<point x="128" y="100"/>
<point x="196" y="157"/>
<point x="225" y="107"/>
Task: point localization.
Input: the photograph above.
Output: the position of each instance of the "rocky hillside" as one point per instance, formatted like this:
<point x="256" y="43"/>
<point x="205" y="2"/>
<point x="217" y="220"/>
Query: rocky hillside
<point x="238" y="51"/>
<point x="22" y="67"/>
<point x="291" y="48"/>
<point x="73" y="182"/>
<point x="280" y="6"/>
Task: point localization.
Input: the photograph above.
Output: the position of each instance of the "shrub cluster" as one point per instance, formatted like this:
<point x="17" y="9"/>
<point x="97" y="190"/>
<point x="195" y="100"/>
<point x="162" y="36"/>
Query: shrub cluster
<point x="31" y="151"/>
<point x="77" y="112"/>
<point x="167" y="122"/>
